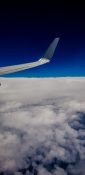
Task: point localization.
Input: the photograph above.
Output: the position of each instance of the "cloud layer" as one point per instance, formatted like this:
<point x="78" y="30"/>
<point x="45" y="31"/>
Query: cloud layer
<point x="42" y="126"/>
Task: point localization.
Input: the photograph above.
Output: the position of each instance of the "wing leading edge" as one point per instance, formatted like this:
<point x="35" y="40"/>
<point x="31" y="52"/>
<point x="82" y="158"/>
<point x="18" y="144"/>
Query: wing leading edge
<point x="47" y="57"/>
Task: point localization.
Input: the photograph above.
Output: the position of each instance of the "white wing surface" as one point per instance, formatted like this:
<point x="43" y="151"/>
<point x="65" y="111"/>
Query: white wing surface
<point x="47" y="57"/>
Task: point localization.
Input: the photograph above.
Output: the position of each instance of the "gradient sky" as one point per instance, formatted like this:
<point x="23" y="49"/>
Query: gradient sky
<point x="27" y="30"/>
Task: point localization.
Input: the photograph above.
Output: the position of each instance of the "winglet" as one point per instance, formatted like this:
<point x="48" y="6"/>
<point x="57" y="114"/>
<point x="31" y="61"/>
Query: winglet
<point x="51" y="49"/>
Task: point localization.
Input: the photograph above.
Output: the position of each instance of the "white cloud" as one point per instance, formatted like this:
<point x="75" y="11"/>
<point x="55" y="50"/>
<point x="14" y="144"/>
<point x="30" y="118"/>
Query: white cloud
<point x="42" y="126"/>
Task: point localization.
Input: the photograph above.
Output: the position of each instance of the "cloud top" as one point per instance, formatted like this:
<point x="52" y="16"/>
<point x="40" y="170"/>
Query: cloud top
<point x="42" y="126"/>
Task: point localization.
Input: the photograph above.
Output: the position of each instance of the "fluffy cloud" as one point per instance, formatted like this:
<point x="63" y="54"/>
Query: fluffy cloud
<point x="42" y="126"/>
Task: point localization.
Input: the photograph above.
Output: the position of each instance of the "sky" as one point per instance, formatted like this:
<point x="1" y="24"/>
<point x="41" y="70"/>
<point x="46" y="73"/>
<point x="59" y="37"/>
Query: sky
<point x="27" y="30"/>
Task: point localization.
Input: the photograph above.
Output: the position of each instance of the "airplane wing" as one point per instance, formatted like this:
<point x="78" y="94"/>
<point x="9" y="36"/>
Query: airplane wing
<point x="47" y="57"/>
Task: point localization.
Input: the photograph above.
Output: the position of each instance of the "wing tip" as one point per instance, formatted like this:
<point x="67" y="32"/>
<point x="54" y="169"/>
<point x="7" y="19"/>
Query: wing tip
<point x="51" y="49"/>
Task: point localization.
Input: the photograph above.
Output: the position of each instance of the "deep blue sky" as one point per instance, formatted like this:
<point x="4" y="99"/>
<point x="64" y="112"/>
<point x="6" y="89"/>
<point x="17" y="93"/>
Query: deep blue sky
<point x="27" y="30"/>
